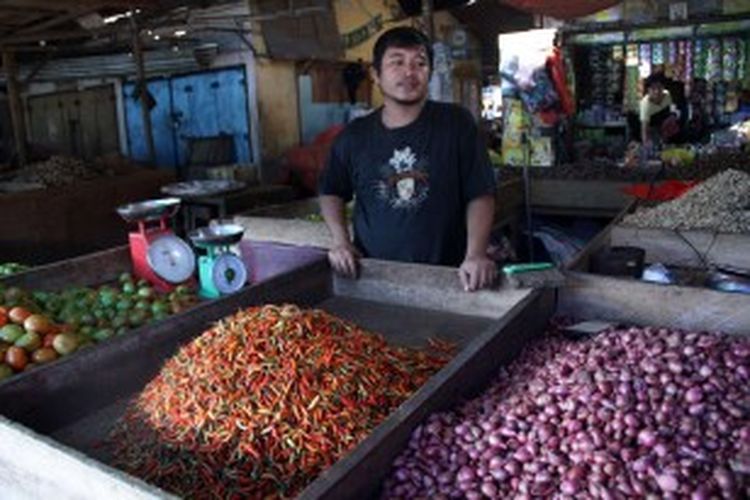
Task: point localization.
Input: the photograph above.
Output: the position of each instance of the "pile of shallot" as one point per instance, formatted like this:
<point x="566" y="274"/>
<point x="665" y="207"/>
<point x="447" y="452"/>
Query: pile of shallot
<point x="632" y="412"/>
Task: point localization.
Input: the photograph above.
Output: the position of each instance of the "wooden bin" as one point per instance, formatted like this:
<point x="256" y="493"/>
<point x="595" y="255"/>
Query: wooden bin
<point x="361" y="474"/>
<point x="58" y="415"/>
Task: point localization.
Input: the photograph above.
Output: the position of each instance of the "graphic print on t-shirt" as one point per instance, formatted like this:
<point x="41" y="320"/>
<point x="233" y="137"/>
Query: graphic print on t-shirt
<point x="404" y="180"/>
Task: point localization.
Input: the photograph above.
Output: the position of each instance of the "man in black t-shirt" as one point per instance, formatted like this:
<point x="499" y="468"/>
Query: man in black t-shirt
<point x="423" y="182"/>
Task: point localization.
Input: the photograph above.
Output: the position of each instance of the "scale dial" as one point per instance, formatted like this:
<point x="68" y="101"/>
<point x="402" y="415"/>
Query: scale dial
<point x="171" y="258"/>
<point x="229" y="273"/>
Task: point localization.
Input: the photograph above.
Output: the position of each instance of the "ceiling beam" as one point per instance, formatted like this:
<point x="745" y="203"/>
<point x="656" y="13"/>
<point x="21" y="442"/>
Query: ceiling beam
<point x="67" y="5"/>
<point x="50" y="23"/>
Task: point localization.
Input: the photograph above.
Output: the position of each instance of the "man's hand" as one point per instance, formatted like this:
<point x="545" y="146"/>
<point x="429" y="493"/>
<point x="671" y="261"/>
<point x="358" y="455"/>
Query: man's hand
<point x="477" y="272"/>
<point x="343" y="259"/>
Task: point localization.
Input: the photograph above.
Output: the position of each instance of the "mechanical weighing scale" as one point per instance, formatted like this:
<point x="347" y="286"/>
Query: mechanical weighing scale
<point x="157" y="254"/>
<point x="220" y="270"/>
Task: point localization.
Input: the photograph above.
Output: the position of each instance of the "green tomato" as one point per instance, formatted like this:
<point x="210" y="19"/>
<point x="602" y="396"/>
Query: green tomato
<point x="88" y="319"/>
<point x="107" y="298"/>
<point x="124" y="304"/>
<point x="145" y="292"/>
<point x="128" y="288"/>
<point x="119" y="321"/>
<point x="65" y="343"/>
<point x="142" y="305"/>
<point x="30" y="341"/>
<point x="102" y="334"/>
<point x="137" y="318"/>
<point x="11" y="333"/>
<point x="158" y="316"/>
<point x="5" y="371"/>
<point x="159" y="307"/>
<point x="125" y="278"/>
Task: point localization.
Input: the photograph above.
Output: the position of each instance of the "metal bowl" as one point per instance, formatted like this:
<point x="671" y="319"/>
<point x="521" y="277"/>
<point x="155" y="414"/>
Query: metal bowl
<point x="149" y="210"/>
<point x="217" y="234"/>
<point x="202" y="188"/>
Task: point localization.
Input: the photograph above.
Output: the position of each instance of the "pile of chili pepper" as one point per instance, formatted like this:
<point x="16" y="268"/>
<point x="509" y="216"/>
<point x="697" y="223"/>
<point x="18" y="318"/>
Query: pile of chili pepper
<point x="264" y="401"/>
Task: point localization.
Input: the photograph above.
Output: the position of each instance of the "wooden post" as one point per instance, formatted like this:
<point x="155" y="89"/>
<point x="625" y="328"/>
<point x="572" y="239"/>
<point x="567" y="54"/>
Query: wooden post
<point x="428" y="20"/>
<point x="16" y="106"/>
<point x="143" y="86"/>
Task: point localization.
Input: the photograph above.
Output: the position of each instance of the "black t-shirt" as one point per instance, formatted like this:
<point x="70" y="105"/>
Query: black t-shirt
<point x="412" y="184"/>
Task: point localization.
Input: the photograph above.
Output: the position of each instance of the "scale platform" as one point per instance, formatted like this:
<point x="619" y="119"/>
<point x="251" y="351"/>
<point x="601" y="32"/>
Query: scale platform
<point x="221" y="271"/>
<point x="150" y="210"/>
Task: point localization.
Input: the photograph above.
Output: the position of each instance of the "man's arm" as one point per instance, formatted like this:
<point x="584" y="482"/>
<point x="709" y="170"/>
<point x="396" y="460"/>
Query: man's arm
<point x="478" y="270"/>
<point x="343" y="255"/>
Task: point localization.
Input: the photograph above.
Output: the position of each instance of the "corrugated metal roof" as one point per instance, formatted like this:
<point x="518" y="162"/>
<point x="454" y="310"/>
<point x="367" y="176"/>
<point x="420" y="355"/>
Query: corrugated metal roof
<point x="114" y="65"/>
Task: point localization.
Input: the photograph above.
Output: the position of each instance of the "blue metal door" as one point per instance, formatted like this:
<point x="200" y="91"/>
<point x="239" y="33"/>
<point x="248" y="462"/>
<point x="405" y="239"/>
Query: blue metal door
<point x="198" y="105"/>
<point x="161" y="123"/>
<point x="211" y="104"/>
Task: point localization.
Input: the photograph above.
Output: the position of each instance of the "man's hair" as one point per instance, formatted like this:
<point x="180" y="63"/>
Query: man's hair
<point x="654" y="79"/>
<point x="402" y="37"/>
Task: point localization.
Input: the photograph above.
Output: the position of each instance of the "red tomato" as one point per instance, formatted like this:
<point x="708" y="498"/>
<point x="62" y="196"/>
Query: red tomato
<point x="16" y="358"/>
<point x="19" y="314"/>
<point x="48" y="339"/>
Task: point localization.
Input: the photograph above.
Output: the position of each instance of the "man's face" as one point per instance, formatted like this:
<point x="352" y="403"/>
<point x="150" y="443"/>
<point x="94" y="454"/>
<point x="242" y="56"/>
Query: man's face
<point x="655" y="92"/>
<point x="404" y="74"/>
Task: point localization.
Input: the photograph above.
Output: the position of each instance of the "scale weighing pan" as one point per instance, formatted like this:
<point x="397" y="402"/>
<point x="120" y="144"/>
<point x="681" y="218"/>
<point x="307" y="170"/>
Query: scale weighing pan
<point x="219" y="234"/>
<point x="202" y="188"/>
<point x="149" y="210"/>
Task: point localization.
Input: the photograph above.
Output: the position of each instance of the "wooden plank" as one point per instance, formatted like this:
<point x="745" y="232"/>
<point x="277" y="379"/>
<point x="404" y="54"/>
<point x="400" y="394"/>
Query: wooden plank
<point x="286" y="231"/>
<point x="88" y="270"/>
<point x="571" y="195"/>
<point x="406" y="326"/>
<point x="508" y="199"/>
<point x="39" y="467"/>
<point x="601" y="240"/>
<point x="666" y="246"/>
<point x="143" y="97"/>
<point x="637" y="302"/>
<point x="361" y="472"/>
<point x="10" y="66"/>
<point x="428" y="287"/>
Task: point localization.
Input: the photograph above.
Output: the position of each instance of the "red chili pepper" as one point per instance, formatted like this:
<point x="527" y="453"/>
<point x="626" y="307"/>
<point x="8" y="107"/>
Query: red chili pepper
<point x="264" y="401"/>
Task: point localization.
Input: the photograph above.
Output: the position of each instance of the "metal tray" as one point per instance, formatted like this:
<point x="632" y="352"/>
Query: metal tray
<point x="191" y="189"/>
<point x="217" y="234"/>
<point x="149" y="210"/>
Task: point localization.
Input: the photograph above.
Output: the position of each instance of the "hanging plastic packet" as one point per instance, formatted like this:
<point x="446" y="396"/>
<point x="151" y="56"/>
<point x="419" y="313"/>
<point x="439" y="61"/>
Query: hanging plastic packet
<point x="657" y="54"/>
<point x="688" y="66"/>
<point x="670" y="65"/>
<point x="645" y="60"/>
<point x="713" y="60"/>
<point x="741" y="59"/>
<point x="729" y="59"/>
<point x="700" y="55"/>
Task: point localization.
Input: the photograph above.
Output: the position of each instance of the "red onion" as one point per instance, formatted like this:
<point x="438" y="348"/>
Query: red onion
<point x="668" y="482"/>
<point x="639" y="412"/>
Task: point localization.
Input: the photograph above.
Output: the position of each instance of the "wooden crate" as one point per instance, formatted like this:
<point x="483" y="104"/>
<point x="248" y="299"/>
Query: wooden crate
<point x="64" y="411"/>
<point x="360" y="475"/>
